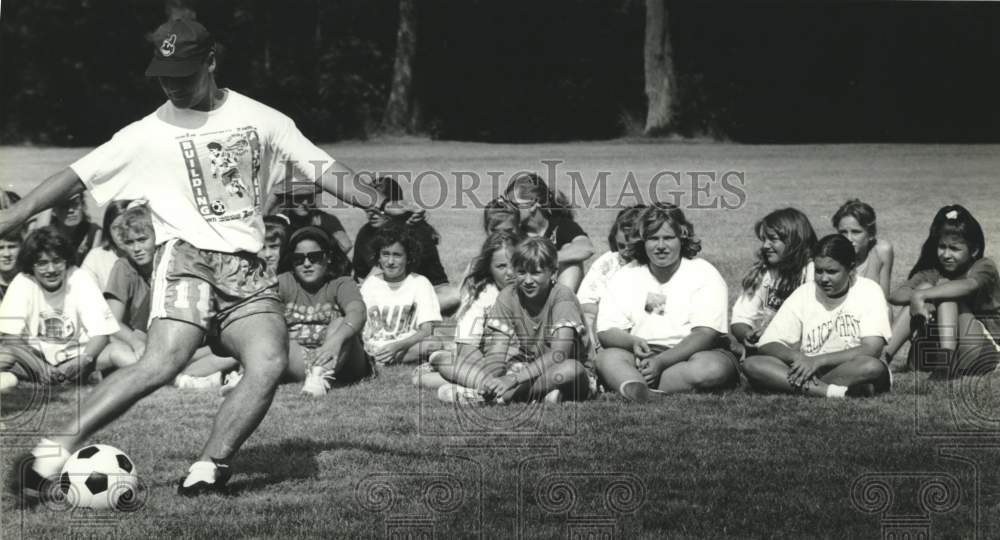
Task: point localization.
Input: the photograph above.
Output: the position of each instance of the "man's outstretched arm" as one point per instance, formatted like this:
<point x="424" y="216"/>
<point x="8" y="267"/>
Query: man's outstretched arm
<point x="343" y="183"/>
<point x="52" y="190"/>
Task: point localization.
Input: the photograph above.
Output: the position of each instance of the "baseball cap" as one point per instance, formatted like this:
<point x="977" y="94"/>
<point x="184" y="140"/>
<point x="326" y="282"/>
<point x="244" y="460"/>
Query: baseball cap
<point x="179" y="48"/>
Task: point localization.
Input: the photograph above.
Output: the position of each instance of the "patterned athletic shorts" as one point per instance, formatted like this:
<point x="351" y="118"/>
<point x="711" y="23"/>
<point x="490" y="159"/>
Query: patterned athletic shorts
<point x="210" y="289"/>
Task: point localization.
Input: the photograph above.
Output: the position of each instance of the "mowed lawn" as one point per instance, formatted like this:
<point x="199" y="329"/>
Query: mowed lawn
<point x="383" y="458"/>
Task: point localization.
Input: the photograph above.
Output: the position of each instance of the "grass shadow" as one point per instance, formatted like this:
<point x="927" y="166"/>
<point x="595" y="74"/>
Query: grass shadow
<point x="34" y="398"/>
<point x="295" y="458"/>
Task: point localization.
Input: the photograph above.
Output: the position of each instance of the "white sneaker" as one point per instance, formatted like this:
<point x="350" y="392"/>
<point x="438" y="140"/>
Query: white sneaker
<point x="453" y="393"/>
<point x="232" y="380"/>
<point x="554" y="396"/>
<point x="7" y="381"/>
<point x="316" y="383"/>
<point x="188" y="382"/>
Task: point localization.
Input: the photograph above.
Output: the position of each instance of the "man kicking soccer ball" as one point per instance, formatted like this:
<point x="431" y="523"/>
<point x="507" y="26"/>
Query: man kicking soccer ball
<point x="207" y="279"/>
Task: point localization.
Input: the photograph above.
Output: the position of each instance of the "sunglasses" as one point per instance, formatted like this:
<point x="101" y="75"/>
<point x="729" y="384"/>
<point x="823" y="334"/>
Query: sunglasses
<point x="315" y="257"/>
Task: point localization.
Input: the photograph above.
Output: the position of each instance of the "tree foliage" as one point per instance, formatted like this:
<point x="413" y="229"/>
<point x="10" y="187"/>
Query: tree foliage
<point x="523" y="70"/>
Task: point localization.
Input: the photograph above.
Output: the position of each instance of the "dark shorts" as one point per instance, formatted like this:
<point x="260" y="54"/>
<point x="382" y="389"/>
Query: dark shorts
<point x="210" y="289"/>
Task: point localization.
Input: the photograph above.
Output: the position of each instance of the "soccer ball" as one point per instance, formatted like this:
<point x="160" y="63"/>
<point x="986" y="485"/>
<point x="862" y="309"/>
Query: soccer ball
<point x="100" y="477"/>
<point x="218" y="207"/>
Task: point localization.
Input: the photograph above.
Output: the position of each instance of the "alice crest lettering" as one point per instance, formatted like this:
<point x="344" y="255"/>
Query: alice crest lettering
<point x="167" y="48"/>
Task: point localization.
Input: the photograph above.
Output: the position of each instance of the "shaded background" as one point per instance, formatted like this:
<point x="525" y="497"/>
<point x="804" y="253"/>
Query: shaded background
<point x="526" y="71"/>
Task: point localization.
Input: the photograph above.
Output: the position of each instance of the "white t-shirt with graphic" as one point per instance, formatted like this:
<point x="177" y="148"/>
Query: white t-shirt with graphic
<point x="757" y="309"/>
<point x="596" y="281"/>
<point x="395" y="310"/>
<point x="472" y="316"/>
<point x="811" y="323"/>
<point x="665" y="313"/>
<point x="62" y="321"/>
<point x="204" y="173"/>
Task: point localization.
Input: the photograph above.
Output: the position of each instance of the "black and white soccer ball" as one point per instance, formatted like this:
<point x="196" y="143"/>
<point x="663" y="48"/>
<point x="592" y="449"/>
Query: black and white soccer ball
<point x="101" y="477"/>
<point x="218" y="207"/>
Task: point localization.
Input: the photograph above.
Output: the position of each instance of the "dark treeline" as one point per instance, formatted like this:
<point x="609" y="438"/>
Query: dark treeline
<point x="520" y="70"/>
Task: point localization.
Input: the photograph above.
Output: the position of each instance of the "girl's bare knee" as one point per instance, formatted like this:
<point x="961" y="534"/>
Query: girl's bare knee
<point x="752" y="366"/>
<point x="710" y="370"/>
<point x="870" y="368"/>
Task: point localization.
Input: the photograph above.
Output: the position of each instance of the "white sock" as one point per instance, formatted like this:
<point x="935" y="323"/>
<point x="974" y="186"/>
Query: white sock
<point x="7" y="380"/>
<point x="200" y="471"/>
<point x="836" y="391"/>
<point x="50" y="457"/>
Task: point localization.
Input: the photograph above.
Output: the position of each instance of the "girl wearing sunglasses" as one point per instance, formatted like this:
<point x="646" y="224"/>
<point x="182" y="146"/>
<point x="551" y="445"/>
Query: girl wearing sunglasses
<point x="324" y="312"/>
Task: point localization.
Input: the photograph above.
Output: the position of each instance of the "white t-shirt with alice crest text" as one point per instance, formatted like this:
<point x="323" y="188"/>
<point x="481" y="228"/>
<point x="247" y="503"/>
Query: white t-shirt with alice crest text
<point x="813" y="324"/>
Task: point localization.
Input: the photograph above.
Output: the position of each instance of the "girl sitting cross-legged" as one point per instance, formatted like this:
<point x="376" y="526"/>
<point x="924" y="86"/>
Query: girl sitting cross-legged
<point x="402" y="305"/>
<point x="489" y="272"/>
<point x="535" y="341"/>
<point x="827" y="338"/>
<point x="324" y="312"/>
<point x="662" y="323"/>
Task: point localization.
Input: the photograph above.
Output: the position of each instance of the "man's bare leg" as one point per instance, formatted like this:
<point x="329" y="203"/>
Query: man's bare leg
<point x="260" y="343"/>
<point x="171" y="343"/>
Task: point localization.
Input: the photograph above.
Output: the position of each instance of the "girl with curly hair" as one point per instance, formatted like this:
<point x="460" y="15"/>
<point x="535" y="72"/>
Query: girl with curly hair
<point x="662" y="323"/>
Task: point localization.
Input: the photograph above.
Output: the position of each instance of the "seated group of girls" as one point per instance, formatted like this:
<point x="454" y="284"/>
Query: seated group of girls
<point x="649" y="318"/>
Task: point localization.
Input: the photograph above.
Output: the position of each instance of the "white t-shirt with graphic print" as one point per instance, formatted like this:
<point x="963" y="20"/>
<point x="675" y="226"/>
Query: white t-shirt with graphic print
<point x="60" y="323"/>
<point x="204" y="174"/>
<point x="665" y="313"/>
<point x="472" y="316"/>
<point x="395" y="310"/>
<point x="811" y="323"/>
<point x="757" y="309"/>
<point x="596" y="280"/>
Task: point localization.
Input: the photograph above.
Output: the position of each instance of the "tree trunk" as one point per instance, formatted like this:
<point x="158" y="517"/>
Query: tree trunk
<point x="318" y="51"/>
<point x="661" y="83"/>
<point x="399" y="114"/>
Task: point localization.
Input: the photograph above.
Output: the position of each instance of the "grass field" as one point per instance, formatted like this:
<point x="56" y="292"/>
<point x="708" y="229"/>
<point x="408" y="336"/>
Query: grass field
<point x="382" y="458"/>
